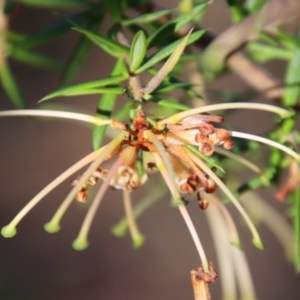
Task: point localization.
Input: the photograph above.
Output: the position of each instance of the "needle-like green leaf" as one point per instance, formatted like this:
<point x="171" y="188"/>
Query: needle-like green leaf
<point x="60" y="4"/>
<point x="167" y="67"/>
<point x="80" y="53"/>
<point x="292" y="81"/>
<point x="168" y="50"/>
<point x="254" y="5"/>
<point x="115" y="9"/>
<point x="105" y="106"/>
<point x="146" y="18"/>
<point x="263" y="53"/>
<point x="36" y="59"/>
<point x="137" y="51"/>
<point x="296" y="197"/>
<point x="110" y="46"/>
<point x="173" y="25"/>
<point x="169" y="103"/>
<point x="11" y="88"/>
<point x="79" y="88"/>
<point x="167" y="87"/>
<point x="53" y="31"/>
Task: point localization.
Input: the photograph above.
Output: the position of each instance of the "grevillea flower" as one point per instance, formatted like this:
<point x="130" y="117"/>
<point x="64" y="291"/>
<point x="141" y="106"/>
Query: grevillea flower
<point x="179" y="147"/>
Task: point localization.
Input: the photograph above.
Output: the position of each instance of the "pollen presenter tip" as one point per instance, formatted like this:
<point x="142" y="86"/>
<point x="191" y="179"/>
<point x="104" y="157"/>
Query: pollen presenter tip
<point x="237" y="245"/>
<point x="258" y="244"/>
<point x="139" y="242"/>
<point x="8" y="231"/>
<point x="79" y="244"/>
<point x="52" y="227"/>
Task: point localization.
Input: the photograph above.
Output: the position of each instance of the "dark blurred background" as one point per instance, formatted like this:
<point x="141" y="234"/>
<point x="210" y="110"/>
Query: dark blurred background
<point x="36" y="265"/>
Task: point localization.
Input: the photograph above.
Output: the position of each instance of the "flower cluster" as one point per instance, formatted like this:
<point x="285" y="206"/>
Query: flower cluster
<point x="179" y="147"/>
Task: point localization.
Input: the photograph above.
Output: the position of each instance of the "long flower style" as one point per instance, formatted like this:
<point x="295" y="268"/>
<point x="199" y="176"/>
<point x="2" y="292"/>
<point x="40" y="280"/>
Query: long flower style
<point x="178" y="146"/>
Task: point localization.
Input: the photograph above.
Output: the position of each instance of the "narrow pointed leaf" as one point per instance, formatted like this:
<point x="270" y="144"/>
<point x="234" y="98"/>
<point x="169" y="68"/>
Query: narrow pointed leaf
<point x="296" y="196"/>
<point x="104" y="110"/>
<point x="173" y="86"/>
<point x="262" y="53"/>
<point x="115" y="9"/>
<point x="12" y="36"/>
<point x="168" y="50"/>
<point x="56" y="3"/>
<point x="236" y="10"/>
<point x="11" y="88"/>
<point x="289" y="41"/>
<point x="255" y="5"/>
<point x="146" y="18"/>
<point x="85" y="86"/>
<point x="169" y="103"/>
<point x="105" y="106"/>
<point x="184" y="19"/>
<point x="36" y="59"/>
<point x="53" y="31"/>
<point x="292" y="81"/>
<point x="167" y="67"/>
<point x="104" y="42"/>
<point x="79" y="53"/>
<point x="137" y="51"/>
<point x="108" y="90"/>
<point x="207" y="159"/>
<point x="173" y="25"/>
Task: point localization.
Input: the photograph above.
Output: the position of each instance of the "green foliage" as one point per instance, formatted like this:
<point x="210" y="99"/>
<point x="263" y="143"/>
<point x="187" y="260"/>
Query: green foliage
<point x="82" y="88"/>
<point x="137" y="51"/>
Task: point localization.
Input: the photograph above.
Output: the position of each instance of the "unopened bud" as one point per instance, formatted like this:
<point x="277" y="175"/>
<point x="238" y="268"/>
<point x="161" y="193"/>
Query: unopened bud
<point x="228" y="144"/>
<point x="222" y="134"/>
<point x="203" y="204"/>
<point x="81" y="196"/>
<point x="206" y="149"/>
<point x="211" y="187"/>
<point x="206" y="129"/>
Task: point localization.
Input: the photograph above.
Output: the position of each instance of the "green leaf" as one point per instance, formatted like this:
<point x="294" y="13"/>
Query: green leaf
<point x="105" y="106"/>
<point x="146" y="18"/>
<point x="296" y="198"/>
<point x="61" y="4"/>
<point x="263" y="53"/>
<point x="79" y="53"/>
<point x="12" y="36"/>
<point x="108" y="90"/>
<point x="78" y="88"/>
<point x="137" y="51"/>
<point x="236" y="10"/>
<point x="169" y="103"/>
<point x="292" y="81"/>
<point x="11" y="88"/>
<point x="52" y="32"/>
<point x="169" y="28"/>
<point x="115" y="9"/>
<point x="184" y="19"/>
<point x="207" y="159"/>
<point x="104" y="110"/>
<point x="167" y="87"/>
<point x="168" y="50"/>
<point x="255" y="5"/>
<point x="167" y="67"/>
<point x="36" y="59"/>
<point x="108" y="45"/>
<point x="289" y="41"/>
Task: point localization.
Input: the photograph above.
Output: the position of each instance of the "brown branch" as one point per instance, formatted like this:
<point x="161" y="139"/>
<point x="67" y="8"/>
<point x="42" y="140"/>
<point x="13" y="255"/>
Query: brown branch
<point x="200" y="282"/>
